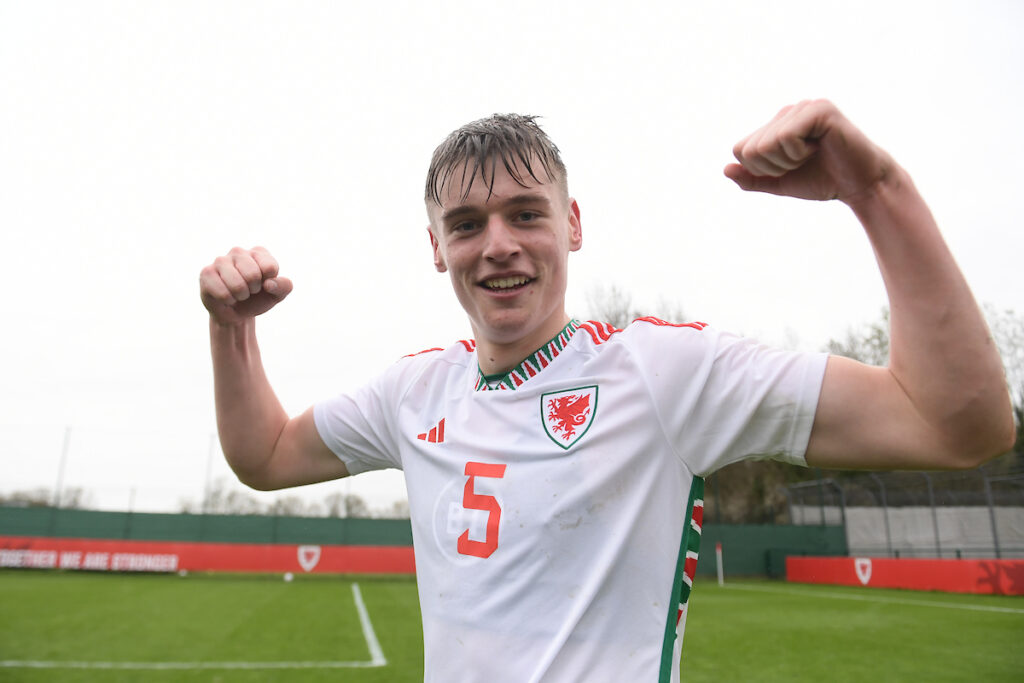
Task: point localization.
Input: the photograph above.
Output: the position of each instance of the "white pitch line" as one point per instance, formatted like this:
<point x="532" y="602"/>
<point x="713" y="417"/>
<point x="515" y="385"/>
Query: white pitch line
<point x="157" y="666"/>
<point x="873" y="598"/>
<point x="377" y="658"/>
<point x="376" y="653"/>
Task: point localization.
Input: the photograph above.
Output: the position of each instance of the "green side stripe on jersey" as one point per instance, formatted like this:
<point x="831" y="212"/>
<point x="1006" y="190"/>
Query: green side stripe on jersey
<point x="680" y="591"/>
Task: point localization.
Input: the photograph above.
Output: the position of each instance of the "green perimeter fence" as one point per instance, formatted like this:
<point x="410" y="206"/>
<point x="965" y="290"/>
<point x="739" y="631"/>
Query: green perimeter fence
<point x="748" y="549"/>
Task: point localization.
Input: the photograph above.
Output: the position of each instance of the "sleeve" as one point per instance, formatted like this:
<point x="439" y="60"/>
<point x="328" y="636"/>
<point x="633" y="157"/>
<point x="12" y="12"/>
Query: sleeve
<point x="359" y="426"/>
<point x="723" y="398"/>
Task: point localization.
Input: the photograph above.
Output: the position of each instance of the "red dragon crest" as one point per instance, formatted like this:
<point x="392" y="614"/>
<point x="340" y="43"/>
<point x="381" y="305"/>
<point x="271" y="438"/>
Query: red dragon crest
<point x="566" y="413"/>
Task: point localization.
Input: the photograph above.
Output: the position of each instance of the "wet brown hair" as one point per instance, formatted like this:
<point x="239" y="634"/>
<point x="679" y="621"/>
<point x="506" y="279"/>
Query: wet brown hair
<point x="476" y="148"/>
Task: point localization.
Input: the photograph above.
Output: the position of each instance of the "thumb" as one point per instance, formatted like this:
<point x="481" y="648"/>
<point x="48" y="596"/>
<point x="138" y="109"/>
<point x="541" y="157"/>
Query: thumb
<point x="278" y="287"/>
<point x="750" y="182"/>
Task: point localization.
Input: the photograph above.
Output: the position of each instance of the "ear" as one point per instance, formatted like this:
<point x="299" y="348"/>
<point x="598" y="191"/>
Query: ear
<point x="439" y="263"/>
<point x="575" y="227"/>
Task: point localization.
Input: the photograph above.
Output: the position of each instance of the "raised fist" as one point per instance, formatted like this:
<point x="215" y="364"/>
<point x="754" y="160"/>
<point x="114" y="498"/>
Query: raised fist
<point x="811" y="151"/>
<point x="241" y="285"/>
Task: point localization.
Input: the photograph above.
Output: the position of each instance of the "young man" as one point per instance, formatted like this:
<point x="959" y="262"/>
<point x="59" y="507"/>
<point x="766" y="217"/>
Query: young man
<point x="554" y="467"/>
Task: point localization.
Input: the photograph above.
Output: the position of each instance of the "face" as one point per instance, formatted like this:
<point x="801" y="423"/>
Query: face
<point x="507" y="256"/>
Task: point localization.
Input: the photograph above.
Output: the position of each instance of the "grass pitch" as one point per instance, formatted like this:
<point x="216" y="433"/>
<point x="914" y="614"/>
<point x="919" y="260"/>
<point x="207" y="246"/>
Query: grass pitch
<point x="58" y="626"/>
<point x="773" y="631"/>
<point x="207" y="627"/>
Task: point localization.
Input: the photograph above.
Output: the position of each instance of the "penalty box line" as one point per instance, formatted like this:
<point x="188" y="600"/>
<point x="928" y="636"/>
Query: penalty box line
<point x="792" y="590"/>
<point x="377" y="658"/>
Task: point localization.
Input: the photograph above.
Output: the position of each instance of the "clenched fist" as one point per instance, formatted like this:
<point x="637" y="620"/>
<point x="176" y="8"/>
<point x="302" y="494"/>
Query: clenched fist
<point x="241" y="285"/>
<point x="810" y="151"/>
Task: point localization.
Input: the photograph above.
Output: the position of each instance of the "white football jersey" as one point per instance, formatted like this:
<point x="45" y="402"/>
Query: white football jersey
<point x="556" y="516"/>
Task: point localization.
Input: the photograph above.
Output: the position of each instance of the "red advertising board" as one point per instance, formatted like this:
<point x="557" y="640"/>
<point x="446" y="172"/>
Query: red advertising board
<point x="994" y="577"/>
<point x="171" y="556"/>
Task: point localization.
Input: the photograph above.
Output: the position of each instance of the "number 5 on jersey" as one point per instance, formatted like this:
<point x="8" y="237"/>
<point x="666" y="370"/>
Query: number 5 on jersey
<point x="471" y="500"/>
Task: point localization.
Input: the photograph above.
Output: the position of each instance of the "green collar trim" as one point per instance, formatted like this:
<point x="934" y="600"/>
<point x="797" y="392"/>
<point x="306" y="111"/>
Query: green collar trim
<point x="531" y="365"/>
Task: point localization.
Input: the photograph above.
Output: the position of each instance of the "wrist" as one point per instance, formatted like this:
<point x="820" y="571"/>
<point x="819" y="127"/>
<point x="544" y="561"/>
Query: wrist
<point x="239" y="335"/>
<point x="890" y="183"/>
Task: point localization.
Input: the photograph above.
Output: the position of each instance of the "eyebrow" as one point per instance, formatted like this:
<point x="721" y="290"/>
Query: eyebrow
<point x="521" y="198"/>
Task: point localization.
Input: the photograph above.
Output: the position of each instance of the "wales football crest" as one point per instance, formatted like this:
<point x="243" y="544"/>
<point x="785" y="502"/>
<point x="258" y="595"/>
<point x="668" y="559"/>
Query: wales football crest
<point x="309" y="555"/>
<point x="567" y="415"/>
<point x="862" y="565"/>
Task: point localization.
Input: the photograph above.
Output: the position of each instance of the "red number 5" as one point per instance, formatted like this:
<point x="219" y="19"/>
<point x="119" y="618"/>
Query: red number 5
<point x="473" y="501"/>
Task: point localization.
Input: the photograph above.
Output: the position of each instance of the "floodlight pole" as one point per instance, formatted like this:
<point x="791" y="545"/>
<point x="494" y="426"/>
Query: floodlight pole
<point x="719" y="565"/>
<point x="885" y="513"/>
<point x="992" y="515"/>
<point x="128" y="515"/>
<point x="60" y="468"/>
<point x="935" y="515"/>
<point x="209" y="466"/>
<point x="789" y="503"/>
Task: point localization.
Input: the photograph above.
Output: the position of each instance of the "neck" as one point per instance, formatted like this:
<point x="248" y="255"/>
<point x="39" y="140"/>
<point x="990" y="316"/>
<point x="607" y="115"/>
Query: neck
<point x="496" y="357"/>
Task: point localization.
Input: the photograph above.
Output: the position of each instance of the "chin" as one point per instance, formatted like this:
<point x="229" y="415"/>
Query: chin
<point x="506" y="329"/>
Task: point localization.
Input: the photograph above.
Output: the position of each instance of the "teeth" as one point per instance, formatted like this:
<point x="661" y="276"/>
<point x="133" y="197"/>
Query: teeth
<point x="506" y="282"/>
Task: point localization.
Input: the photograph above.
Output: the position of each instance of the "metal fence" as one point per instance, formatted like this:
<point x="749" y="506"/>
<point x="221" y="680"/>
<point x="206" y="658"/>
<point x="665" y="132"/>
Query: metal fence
<point x="978" y="513"/>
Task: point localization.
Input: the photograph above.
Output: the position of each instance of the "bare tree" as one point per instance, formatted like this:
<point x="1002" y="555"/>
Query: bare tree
<point x="74" y="497"/>
<point x="39" y="497"/>
<point x="293" y="506"/>
<point x="1007" y="328"/>
<point x="869" y="344"/>
<point x="614" y="305"/>
<point x="398" y="510"/>
<point x="345" y="505"/>
<point x="222" y="500"/>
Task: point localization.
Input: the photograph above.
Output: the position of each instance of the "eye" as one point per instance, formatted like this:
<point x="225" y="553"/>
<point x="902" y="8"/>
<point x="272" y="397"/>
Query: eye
<point x="526" y="216"/>
<point x="464" y="226"/>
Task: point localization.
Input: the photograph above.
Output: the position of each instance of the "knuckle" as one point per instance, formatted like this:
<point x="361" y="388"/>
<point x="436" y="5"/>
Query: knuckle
<point x="765" y="146"/>
<point x="739" y="150"/>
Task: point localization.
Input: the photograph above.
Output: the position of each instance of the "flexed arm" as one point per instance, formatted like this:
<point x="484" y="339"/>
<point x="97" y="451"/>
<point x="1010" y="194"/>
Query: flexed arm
<point x="942" y="401"/>
<point x="265" y="448"/>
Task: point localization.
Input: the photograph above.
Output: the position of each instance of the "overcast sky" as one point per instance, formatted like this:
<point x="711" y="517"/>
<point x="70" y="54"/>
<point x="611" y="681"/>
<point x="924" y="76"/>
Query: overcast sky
<point x="139" y="140"/>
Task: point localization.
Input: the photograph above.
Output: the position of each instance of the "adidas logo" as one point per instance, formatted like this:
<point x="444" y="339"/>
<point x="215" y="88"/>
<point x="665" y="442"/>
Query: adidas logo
<point x="435" y="435"/>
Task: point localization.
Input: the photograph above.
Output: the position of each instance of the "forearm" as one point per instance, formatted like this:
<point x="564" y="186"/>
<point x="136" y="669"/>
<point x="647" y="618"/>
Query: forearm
<point x="250" y="418"/>
<point x="941" y="352"/>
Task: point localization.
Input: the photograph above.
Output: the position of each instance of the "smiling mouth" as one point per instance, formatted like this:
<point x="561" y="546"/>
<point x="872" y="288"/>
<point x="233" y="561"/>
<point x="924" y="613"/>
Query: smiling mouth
<point x="505" y="284"/>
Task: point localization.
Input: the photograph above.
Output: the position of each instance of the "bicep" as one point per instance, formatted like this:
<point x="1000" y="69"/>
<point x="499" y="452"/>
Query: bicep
<point x="865" y="420"/>
<point x="301" y="456"/>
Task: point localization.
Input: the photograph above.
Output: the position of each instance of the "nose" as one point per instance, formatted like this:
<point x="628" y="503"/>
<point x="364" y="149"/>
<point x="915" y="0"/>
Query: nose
<point x="500" y="241"/>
